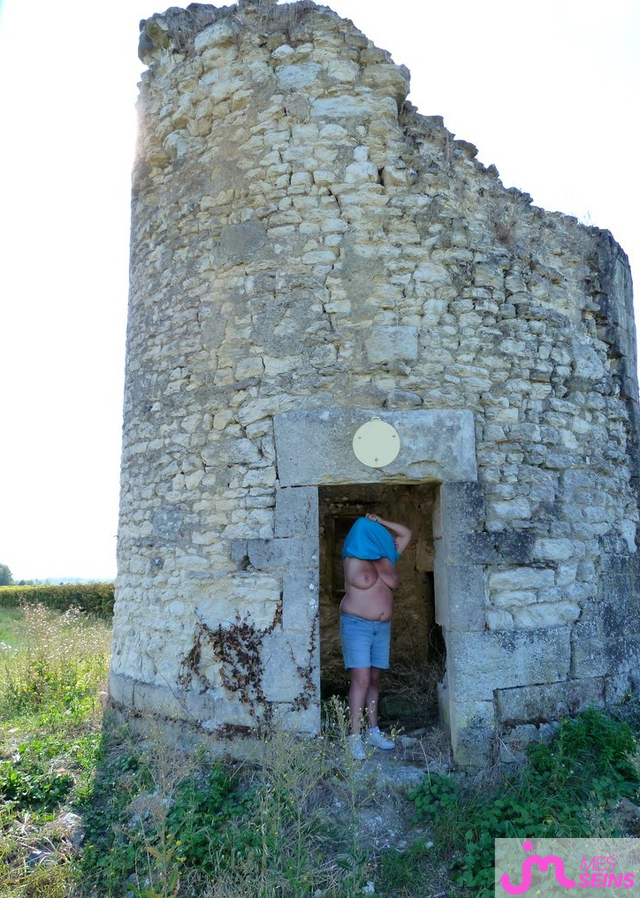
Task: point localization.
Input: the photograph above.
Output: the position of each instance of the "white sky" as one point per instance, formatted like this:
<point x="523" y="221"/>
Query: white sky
<point x="548" y="90"/>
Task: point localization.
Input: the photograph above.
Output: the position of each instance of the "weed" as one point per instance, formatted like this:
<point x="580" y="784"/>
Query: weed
<point x="63" y="659"/>
<point x="49" y="748"/>
<point x="561" y="793"/>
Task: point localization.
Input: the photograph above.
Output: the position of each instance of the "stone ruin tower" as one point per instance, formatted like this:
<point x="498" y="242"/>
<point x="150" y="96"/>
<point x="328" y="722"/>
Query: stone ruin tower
<point x="335" y="308"/>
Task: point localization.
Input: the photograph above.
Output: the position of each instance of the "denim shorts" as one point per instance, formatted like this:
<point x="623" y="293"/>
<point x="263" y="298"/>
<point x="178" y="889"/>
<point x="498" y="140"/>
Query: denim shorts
<point x="365" y="643"/>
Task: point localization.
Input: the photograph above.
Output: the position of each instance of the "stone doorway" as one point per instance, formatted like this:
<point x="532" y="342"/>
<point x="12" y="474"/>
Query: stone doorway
<point x="409" y="696"/>
<point x="435" y="475"/>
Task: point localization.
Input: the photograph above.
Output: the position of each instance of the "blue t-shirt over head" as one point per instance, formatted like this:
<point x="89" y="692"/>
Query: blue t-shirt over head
<point x="369" y="540"/>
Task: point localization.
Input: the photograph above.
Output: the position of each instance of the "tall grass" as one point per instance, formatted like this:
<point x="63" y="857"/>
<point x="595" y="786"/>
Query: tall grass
<point x="287" y="825"/>
<point x="59" y="664"/>
<point x="52" y="673"/>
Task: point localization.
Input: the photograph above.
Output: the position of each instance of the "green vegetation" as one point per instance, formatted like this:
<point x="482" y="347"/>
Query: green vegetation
<point x="92" y="598"/>
<point x="11" y="627"/>
<point x="52" y="672"/>
<point x="88" y="809"/>
<point x="571" y="788"/>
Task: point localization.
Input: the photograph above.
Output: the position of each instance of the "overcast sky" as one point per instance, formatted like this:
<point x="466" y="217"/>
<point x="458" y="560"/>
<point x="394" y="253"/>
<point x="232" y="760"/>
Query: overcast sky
<point x="548" y="90"/>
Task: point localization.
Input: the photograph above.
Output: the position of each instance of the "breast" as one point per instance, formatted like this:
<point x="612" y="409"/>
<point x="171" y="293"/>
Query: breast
<point x="360" y="573"/>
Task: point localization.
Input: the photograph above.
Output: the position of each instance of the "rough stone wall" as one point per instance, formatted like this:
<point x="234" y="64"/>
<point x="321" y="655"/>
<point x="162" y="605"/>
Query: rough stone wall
<point x="302" y="239"/>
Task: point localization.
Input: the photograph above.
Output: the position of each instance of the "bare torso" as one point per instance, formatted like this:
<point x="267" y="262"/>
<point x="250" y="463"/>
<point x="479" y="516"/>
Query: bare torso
<point x="369" y="586"/>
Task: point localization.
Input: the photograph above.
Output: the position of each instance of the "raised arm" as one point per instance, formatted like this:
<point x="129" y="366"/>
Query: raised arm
<point x="403" y="533"/>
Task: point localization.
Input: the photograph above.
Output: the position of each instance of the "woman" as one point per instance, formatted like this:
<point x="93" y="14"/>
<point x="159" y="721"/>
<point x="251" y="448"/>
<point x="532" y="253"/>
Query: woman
<point x="369" y="555"/>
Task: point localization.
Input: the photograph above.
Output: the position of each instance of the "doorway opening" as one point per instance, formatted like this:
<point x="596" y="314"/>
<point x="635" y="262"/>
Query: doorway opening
<point x="408" y="697"/>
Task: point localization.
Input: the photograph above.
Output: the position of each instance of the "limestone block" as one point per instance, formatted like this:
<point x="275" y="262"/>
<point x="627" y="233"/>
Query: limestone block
<point x="478" y="663"/>
<point x="290" y="668"/>
<point x="521" y="578"/>
<point x="392" y="344"/>
<point x="347" y="106"/>
<point x="518" y="509"/>
<point x="316" y="446"/>
<point x="432" y="272"/>
<point x="303" y="719"/>
<point x="176" y="145"/>
<point x="389" y="79"/>
<point x="297" y="76"/>
<point x="296" y="511"/>
<point x="554" y="549"/>
<point x="342" y="70"/>
<point x="219" y="34"/>
<point x="586" y="361"/>
<point x="591" y="655"/>
<point x="472" y="728"/>
<point x="545" y="614"/>
<point x="486" y="275"/>
<point x="398" y="175"/>
<point x="168" y="523"/>
<point x="240" y="242"/>
<point x="358" y="172"/>
<point x="514" y="740"/>
<point x="282" y="553"/>
<point x="460" y="596"/>
<point x="474" y="547"/>
<point x="515" y="546"/>
<point x="300" y="601"/>
<point x="548" y="702"/>
<point x="514" y="600"/>
<point x="175" y="703"/>
<point x="462" y="506"/>
<point x="499" y="619"/>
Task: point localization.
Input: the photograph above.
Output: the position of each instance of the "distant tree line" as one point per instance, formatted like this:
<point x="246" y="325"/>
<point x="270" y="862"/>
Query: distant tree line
<point x="6" y="577"/>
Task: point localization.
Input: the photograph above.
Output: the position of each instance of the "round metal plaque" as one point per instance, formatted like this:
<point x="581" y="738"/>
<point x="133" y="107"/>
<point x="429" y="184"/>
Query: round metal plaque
<point x="376" y="443"/>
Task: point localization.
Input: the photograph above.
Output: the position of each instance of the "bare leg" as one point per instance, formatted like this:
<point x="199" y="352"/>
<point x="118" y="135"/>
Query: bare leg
<point x="358" y="693"/>
<point x="372" y="696"/>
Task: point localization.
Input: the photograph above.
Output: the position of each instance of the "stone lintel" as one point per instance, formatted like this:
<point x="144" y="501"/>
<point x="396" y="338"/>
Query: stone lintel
<point x="315" y="447"/>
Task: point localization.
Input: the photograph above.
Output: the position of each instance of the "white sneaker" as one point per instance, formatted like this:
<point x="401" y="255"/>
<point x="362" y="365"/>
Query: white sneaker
<point x="356" y="749"/>
<point x="374" y="737"/>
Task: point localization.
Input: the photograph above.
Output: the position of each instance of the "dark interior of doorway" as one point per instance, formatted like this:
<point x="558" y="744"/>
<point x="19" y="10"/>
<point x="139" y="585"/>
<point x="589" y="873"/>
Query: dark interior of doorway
<point x="409" y="689"/>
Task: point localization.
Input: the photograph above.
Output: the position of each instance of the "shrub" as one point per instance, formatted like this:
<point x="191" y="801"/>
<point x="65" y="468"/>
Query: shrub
<point x="92" y="598"/>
